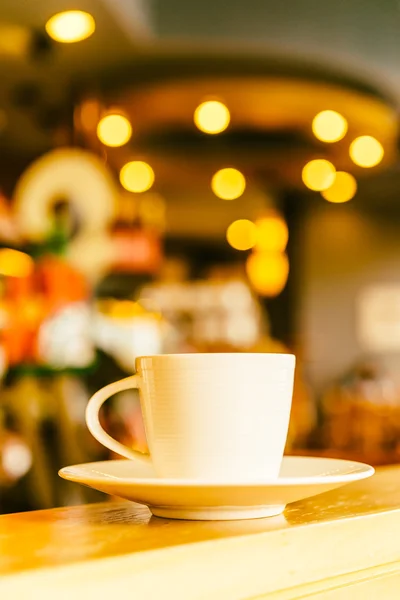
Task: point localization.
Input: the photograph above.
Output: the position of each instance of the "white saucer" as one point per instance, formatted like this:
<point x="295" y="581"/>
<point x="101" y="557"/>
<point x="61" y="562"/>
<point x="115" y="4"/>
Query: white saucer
<point x="300" y="478"/>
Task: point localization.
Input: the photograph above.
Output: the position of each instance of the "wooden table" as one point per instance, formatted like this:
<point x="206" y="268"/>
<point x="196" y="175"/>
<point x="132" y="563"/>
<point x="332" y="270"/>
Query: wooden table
<point x="340" y="545"/>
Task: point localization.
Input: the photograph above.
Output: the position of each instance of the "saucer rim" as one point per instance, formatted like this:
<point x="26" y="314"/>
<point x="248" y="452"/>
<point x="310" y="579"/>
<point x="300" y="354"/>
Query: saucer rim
<point x="363" y="472"/>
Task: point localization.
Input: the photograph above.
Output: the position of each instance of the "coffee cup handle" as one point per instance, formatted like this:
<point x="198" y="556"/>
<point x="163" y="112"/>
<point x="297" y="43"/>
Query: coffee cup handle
<point x="93" y="422"/>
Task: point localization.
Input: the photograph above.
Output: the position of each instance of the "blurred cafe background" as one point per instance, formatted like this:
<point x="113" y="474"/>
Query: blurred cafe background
<point x="195" y="176"/>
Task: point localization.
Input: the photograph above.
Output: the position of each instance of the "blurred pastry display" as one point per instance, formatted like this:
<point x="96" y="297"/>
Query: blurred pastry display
<point x="60" y="237"/>
<point x="124" y="329"/>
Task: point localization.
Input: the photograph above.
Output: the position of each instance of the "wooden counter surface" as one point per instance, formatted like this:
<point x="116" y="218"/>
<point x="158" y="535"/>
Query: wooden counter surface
<point x="339" y="545"/>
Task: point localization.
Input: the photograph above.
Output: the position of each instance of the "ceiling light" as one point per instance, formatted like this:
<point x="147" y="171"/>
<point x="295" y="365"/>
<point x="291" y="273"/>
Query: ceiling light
<point x="70" y="26"/>
<point x="228" y="184"/>
<point x="366" y="151"/>
<point x="212" y="117"/>
<point x="343" y="188"/>
<point x="318" y="174"/>
<point x="114" y="130"/>
<point x="267" y="272"/>
<point x="136" y="176"/>
<point x="272" y="233"/>
<point x="329" y="126"/>
<point x="242" y="234"/>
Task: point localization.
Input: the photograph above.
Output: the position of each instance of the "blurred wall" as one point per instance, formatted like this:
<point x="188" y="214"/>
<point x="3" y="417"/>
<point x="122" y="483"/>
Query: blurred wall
<point x="344" y="250"/>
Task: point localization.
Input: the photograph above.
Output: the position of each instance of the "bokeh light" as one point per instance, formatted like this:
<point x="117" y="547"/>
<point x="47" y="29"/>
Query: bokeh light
<point x="16" y="458"/>
<point x="318" y="174"/>
<point x="242" y="234"/>
<point x="14" y="263"/>
<point x="365" y="151"/>
<point x="70" y="26"/>
<point x="272" y="233"/>
<point x="228" y="184"/>
<point x="136" y="176"/>
<point x="268" y="272"/>
<point x="329" y="126"/>
<point x="212" y="117"/>
<point x="114" y="130"/>
<point x="343" y="189"/>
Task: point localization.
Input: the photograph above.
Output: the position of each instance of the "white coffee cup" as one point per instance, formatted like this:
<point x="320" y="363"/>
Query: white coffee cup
<point x="211" y="417"/>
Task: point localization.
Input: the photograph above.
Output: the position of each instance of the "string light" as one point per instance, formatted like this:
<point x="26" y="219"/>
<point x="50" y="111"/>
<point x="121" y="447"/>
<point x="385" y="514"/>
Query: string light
<point x="365" y="151"/>
<point x="318" y="174"/>
<point x="242" y="234"/>
<point x="136" y="176"/>
<point x="114" y="130"/>
<point x="70" y="26"/>
<point x="212" y="117"/>
<point x="329" y="126"/>
<point x="228" y="184"/>
<point x="342" y="190"/>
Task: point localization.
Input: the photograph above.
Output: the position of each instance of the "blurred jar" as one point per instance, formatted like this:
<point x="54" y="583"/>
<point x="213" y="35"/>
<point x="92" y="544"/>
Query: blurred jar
<point x="361" y="412"/>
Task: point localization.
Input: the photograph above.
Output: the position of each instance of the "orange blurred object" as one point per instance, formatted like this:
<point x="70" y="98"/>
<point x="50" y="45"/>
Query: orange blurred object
<point x="28" y="301"/>
<point x="60" y="283"/>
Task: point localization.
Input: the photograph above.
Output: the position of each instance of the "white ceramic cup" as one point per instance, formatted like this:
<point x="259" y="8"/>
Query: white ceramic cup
<point x="211" y="417"/>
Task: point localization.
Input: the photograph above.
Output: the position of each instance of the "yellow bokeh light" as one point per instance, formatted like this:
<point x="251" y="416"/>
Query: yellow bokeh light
<point x="268" y="272"/>
<point x="14" y="263"/>
<point x="343" y="189"/>
<point x="136" y="176"/>
<point x="329" y="126"/>
<point x="272" y="233"/>
<point x="366" y="151"/>
<point x="212" y="117"/>
<point x="70" y="26"/>
<point x="318" y="174"/>
<point x="114" y="130"/>
<point x="228" y="184"/>
<point x="242" y="234"/>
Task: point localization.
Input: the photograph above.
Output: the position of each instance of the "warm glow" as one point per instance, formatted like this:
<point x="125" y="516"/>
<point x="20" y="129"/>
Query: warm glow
<point x="70" y="26"/>
<point x="228" y="184"/>
<point x="152" y="210"/>
<point x="329" y="126"/>
<point x="88" y="115"/>
<point x="268" y="272"/>
<point x="212" y="117"/>
<point x="272" y="233"/>
<point x="242" y="234"/>
<point x="366" y="151"/>
<point x="124" y="309"/>
<point x="136" y="176"/>
<point x="343" y="188"/>
<point x="318" y="174"/>
<point x="14" y="263"/>
<point x="114" y="130"/>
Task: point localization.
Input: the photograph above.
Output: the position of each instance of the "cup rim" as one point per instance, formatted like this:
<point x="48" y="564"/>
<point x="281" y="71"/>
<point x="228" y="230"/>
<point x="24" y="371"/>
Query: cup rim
<point x="217" y="354"/>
